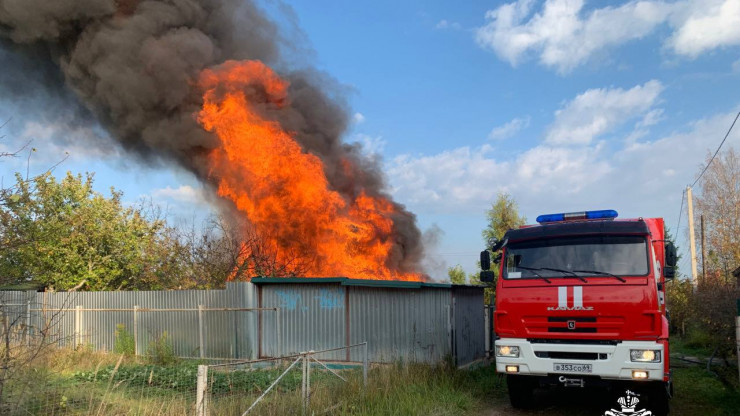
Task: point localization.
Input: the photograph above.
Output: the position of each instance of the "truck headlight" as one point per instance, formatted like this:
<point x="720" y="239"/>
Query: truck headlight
<point x="507" y="351"/>
<point x="645" y="356"/>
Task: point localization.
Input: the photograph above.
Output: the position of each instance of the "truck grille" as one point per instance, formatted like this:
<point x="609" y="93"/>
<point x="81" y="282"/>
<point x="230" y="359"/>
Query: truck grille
<point x="574" y="330"/>
<point x="602" y="325"/>
<point x="567" y="355"/>
<point x="574" y="341"/>
<point x="575" y="318"/>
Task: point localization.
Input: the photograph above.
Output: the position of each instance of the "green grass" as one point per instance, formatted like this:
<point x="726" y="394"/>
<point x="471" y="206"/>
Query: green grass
<point x="88" y="383"/>
<point x="698" y="392"/>
<point x="694" y="345"/>
<point x="418" y="390"/>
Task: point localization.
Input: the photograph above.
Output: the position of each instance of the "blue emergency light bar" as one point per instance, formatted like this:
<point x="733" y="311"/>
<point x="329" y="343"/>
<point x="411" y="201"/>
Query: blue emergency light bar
<point x="574" y="216"/>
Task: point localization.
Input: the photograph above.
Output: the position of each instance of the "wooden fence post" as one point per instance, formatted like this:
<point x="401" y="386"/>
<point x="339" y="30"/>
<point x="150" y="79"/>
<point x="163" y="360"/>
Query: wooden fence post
<point x="136" y="330"/>
<point x="201" y="402"/>
<point x="28" y="324"/>
<point x="201" y="342"/>
<point x="78" y="318"/>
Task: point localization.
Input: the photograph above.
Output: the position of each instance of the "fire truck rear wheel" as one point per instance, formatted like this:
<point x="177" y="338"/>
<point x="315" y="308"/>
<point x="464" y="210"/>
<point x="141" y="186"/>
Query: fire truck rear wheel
<point x="521" y="391"/>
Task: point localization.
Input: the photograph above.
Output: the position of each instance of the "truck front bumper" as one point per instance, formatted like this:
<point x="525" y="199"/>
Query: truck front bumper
<point x="609" y="362"/>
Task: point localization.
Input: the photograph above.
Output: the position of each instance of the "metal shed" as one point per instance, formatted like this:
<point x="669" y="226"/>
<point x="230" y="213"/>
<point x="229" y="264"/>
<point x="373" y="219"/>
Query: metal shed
<point x="401" y="321"/>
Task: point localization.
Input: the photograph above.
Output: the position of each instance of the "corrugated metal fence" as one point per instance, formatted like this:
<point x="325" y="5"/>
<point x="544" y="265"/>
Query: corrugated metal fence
<point x="273" y="318"/>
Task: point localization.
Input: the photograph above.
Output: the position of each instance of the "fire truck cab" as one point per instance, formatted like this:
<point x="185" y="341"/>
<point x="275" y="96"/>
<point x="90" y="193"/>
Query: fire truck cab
<point x="580" y="301"/>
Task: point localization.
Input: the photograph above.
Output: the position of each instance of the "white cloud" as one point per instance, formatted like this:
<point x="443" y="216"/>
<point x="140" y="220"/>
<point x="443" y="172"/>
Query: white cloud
<point x="509" y="129"/>
<point x="51" y="142"/>
<point x="598" y="111"/>
<point x="568" y="162"/>
<point x="444" y="24"/>
<point x="640" y="179"/>
<point x="358" y="118"/>
<point x="736" y="66"/>
<point x="557" y="169"/>
<point x="371" y="146"/>
<point x="652" y="118"/>
<point x="708" y="24"/>
<point x="184" y="193"/>
<point x="466" y="179"/>
<point x="564" y="36"/>
<point x="560" y="35"/>
<point x="444" y="179"/>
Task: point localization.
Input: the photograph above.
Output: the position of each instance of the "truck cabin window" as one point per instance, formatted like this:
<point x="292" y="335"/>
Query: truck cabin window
<point x="563" y="257"/>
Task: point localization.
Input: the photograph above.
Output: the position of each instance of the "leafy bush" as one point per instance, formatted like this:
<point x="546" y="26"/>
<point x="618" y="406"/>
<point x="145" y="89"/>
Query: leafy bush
<point x="715" y="313"/>
<point x="161" y="351"/>
<point x="124" y="343"/>
<point x="680" y="303"/>
<point x="705" y="316"/>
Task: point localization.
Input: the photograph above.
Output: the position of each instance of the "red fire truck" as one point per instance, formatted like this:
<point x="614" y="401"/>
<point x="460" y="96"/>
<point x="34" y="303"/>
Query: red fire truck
<point x="580" y="301"/>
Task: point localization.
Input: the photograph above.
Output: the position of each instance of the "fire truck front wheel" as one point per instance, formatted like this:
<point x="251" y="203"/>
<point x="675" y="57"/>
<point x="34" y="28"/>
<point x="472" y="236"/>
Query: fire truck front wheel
<point x="521" y="389"/>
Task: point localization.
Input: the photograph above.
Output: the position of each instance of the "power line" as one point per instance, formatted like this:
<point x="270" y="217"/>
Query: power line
<point x="680" y="211"/>
<point x="715" y="153"/>
<point x="685" y="264"/>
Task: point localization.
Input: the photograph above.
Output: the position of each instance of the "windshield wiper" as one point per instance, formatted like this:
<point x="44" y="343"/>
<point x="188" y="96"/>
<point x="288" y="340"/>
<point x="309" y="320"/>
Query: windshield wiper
<point x="621" y="279"/>
<point x="534" y="272"/>
<point x="581" y="278"/>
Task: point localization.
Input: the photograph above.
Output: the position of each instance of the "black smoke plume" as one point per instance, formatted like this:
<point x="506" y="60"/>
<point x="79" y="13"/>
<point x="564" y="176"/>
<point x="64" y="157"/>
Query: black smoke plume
<point x="134" y="64"/>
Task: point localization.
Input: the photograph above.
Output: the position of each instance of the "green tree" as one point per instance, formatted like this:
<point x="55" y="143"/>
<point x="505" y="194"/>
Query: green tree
<point x="718" y="201"/>
<point x="64" y="235"/>
<point x="456" y="274"/>
<point x="680" y="303"/>
<point x="679" y="295"/>
<point x="714" y="301"/>
<point x="503" y="216"/>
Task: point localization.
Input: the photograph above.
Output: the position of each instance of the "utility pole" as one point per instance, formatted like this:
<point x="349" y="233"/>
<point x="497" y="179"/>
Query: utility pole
<point x="692" y="239"/>
<point x="703" y="252"/>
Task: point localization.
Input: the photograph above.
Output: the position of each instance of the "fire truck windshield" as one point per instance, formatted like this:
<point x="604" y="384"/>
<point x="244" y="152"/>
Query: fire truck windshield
<point x="604" y="255"/>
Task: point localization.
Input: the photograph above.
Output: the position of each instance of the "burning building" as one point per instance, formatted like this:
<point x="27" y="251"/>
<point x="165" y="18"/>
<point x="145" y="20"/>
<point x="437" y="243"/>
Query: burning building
<point x="205" y="85"/>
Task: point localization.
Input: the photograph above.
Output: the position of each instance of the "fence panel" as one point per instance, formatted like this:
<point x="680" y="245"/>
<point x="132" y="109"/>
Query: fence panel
<point x="15" y="313"/>
<point x="92" y="318"/>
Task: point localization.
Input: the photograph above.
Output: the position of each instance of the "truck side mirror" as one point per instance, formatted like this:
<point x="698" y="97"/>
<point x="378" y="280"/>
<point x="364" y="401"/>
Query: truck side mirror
<point x="669" y="269"/>
<point x="487" y="276"/>
<point x="485" y="260"/>
<point x="492" y="242"/>
<point x="499" y="244"/>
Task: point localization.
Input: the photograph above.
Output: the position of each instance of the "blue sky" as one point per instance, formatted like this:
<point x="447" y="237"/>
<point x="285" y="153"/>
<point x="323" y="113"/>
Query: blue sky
<point x="566" y="105"/>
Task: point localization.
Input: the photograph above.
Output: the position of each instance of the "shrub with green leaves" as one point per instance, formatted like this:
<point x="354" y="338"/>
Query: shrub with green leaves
<point x="124" y="342"/>
<point x="161" y="351"/>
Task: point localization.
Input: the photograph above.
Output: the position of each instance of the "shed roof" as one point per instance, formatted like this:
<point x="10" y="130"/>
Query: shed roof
<point x="345" y="281"/>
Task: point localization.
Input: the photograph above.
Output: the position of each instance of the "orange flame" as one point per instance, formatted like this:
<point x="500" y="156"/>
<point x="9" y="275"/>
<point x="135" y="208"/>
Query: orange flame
<point x="282" y="190"/>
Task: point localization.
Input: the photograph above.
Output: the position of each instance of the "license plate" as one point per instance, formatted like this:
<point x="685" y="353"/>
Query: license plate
<point x="572" y="368"/>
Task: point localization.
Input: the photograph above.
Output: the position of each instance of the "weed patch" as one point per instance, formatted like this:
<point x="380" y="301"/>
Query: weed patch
<point x="124" y="341"/>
